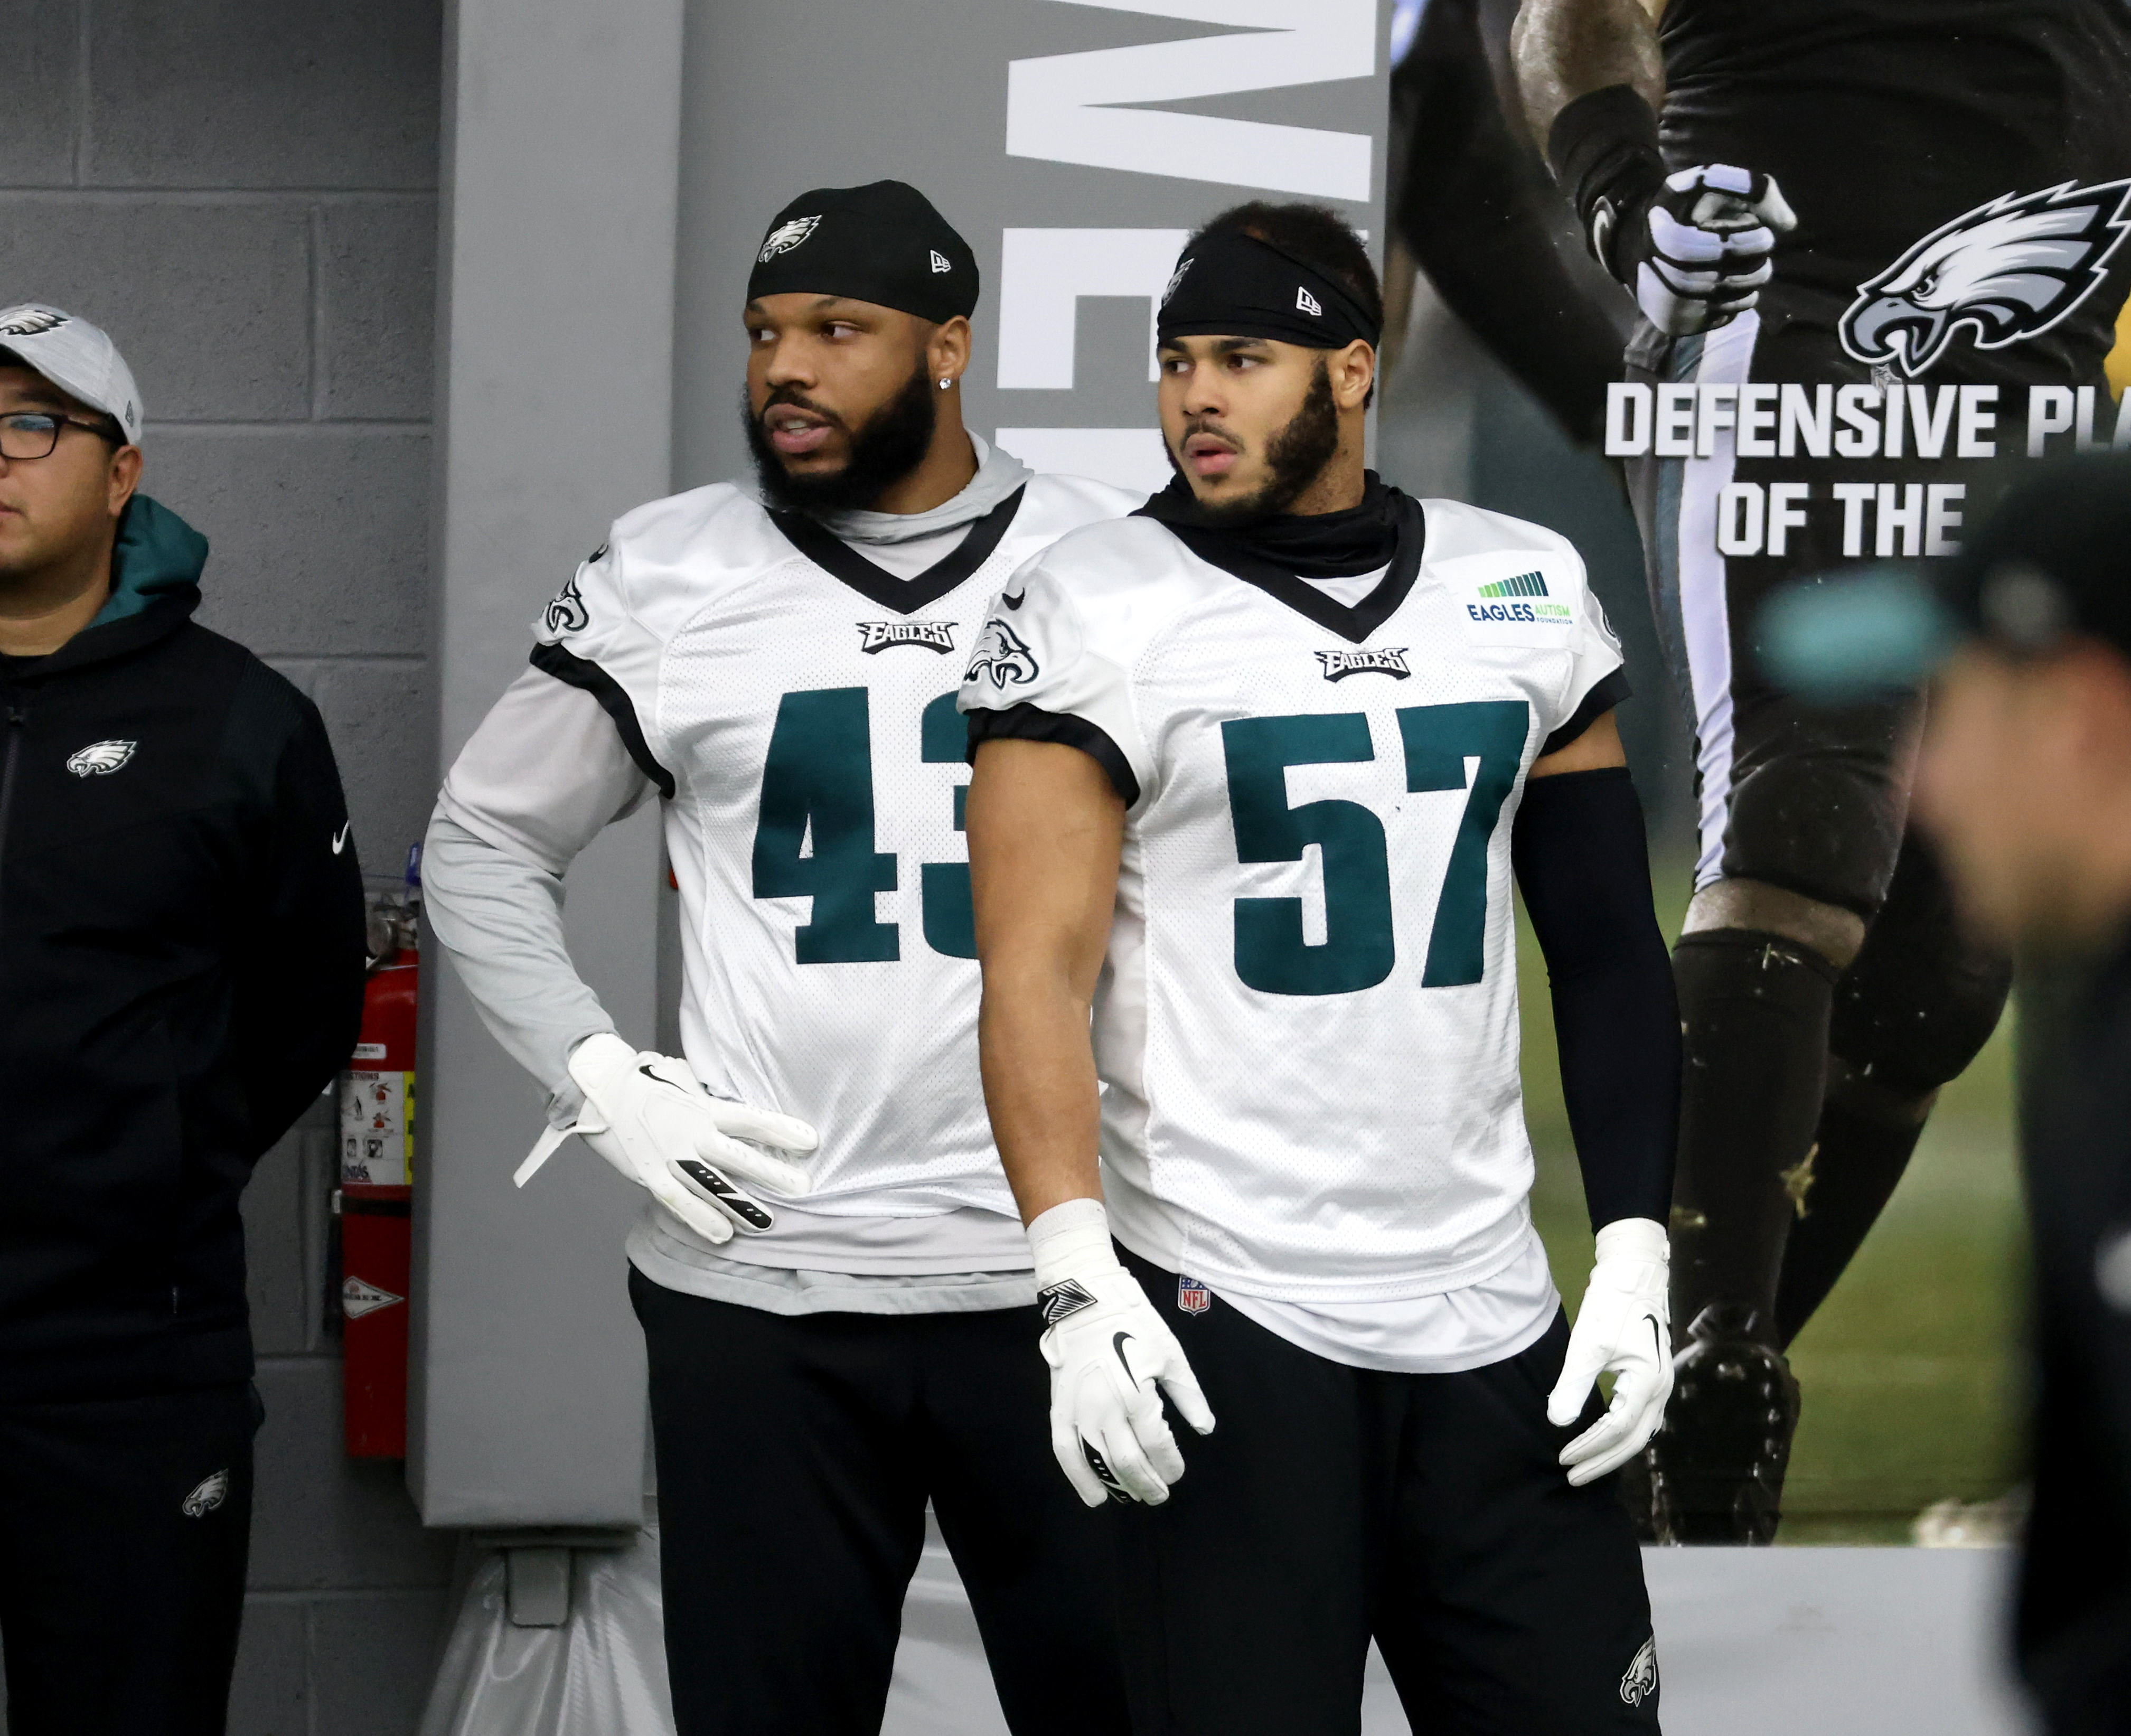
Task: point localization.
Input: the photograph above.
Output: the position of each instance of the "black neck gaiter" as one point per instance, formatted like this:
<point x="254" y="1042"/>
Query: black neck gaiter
<point x="1313" y="545"/>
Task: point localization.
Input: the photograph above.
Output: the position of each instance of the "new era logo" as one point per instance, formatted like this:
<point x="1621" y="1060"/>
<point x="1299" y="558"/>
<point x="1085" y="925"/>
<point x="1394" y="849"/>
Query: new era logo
<point x="940" y="262"/>
<point x="875" y="637"/>
<point x="1386" y="660"/>
<point x="1307" y="303"/>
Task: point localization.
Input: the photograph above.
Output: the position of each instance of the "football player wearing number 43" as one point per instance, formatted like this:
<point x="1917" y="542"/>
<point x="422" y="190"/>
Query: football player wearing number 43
<point x="835" y="1292"/>
<point x="1255" y="768"/>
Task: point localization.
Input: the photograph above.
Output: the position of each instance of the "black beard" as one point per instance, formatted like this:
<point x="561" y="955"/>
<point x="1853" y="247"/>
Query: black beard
<point x="893" y="442"/>
<point x="1295" y="458"/>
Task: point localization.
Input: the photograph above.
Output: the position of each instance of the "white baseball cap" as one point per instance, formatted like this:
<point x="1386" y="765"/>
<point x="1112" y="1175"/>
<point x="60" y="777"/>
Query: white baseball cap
<point x="76" y="357"/>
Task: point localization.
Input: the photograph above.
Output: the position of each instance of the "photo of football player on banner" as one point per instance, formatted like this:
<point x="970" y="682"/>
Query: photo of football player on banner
<point x="1875" y="261"/>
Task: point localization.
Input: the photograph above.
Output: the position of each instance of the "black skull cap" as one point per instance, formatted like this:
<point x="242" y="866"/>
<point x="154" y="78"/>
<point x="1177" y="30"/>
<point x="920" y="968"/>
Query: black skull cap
<point x="884" y="243"/>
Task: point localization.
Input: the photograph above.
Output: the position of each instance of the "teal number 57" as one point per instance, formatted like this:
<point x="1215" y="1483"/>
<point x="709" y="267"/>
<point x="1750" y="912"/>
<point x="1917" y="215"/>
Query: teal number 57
<point x="1359" y="950"/>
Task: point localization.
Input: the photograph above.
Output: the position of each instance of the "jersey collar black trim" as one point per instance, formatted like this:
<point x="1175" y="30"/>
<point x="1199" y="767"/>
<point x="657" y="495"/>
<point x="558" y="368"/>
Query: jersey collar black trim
<point x="838" y="559"/>
<point x="1352" y="623"/>
<point x="580" y="672"/>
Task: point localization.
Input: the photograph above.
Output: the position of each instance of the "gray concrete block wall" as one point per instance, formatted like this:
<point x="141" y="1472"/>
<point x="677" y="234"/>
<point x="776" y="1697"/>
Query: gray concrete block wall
<point x="243" y="193"/>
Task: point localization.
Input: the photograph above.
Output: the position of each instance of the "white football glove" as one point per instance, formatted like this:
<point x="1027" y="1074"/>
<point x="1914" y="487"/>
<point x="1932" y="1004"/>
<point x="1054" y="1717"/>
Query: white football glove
<point x="651" y="1117"/>
<point x="1624" y="1327"/>
<point x="1112" y="1357"/>
<point x="1693" y="250"/>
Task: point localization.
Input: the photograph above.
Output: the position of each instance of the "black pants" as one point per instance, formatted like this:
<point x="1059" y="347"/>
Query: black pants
<point x="124" y="1527"/>
<point x="1332" y="1504"/>
<point x="796" y="1454"/>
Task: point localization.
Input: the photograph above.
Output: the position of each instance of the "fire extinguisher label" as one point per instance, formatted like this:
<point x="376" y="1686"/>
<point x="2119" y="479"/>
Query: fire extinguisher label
<point x="377" y="1128"/>
<point x="358" y="1299"/>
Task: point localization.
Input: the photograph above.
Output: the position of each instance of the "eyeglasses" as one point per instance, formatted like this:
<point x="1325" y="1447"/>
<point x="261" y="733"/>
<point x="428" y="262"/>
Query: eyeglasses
<point x="30" y="434"/>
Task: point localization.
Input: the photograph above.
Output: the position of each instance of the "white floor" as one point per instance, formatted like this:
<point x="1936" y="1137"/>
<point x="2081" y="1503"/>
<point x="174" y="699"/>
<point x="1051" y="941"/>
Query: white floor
<point x="1750" y="1642"/>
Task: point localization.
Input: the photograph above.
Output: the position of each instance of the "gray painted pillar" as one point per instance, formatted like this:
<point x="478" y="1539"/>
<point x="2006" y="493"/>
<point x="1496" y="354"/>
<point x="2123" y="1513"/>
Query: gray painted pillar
<point x="561" y="149"/>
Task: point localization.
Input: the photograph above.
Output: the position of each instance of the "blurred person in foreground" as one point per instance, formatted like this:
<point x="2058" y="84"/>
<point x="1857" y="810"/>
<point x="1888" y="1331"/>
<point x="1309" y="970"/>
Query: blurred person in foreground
<point x="181" y="960"/>
<point x="2024" y="780"/>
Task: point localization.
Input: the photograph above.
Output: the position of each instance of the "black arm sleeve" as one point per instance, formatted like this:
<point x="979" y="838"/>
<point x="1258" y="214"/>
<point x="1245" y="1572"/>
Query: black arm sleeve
<point x="1484" y="220"/>
<point x="1583" y="866"/>
<point x="298" y="970"/>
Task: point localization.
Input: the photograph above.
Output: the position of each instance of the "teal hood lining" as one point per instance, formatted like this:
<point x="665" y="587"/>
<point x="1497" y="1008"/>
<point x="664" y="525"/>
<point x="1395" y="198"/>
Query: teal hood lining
<point x="157" y="555"/>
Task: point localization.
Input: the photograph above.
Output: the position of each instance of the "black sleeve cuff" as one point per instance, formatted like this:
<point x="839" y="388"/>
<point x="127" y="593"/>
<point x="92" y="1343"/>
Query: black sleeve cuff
<point x="567" y="666"/>
<point x="1610" y="691"/>
<point x="1031" y="723"/>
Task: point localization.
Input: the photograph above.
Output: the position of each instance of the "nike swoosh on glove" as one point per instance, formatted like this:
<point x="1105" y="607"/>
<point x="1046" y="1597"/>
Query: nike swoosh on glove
<point x="1694" y="248"/>
<point x="1624" y="1327"/>
<point x="1111" y="1358"/>
<point x="649" y="1116"/>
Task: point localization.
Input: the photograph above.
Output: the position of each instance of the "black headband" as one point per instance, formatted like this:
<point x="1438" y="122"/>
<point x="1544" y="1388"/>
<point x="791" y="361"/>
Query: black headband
<point x="1231" y="285"/>
<point x="882" y="244"/>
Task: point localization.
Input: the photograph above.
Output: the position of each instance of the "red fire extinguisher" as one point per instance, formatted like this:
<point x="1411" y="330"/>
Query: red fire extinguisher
<point x="375" y="1199"/>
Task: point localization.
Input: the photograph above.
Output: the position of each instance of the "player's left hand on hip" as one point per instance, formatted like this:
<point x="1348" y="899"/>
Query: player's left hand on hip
<point x="1696" y="249"/>
<point x="1623" y="1327"/>
<point x="697" y="1155"/>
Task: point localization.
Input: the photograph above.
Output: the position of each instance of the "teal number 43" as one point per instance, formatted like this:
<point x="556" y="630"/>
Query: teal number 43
<point x="818" y="789"/>
<point x="1359" y="949"/>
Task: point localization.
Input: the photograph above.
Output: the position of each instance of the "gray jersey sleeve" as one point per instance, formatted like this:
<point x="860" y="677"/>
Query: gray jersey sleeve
<point x="542" y="776"/>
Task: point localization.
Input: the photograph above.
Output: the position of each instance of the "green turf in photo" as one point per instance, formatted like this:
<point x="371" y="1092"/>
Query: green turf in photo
<point x="1910" y="1370"/>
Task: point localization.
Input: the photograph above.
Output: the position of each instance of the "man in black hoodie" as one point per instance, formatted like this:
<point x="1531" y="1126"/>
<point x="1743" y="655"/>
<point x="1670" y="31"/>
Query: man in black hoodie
<point x="181" y="959"/>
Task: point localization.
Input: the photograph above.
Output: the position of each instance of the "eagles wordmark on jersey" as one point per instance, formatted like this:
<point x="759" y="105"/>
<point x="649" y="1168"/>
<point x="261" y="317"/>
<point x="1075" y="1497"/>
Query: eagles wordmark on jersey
<point x="1308" y="1021"/>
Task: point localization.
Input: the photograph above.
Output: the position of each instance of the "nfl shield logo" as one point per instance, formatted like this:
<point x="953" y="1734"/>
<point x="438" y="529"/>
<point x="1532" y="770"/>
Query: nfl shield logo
<point x="1192" y="1296"/>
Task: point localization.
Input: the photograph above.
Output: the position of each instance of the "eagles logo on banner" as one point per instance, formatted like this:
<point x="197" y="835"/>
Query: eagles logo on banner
<point x="2009" y="271"/>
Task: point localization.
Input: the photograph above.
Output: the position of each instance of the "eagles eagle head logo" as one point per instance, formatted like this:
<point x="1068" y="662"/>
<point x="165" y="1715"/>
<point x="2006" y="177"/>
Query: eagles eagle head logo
<point x="30" y="322"/>
<point x="784" y="238"/>
<point x="100" y="759"/>
<point x="2009" y="271"/>
<point x="210" y="1494"/>
<point x="1002" y="654"/>
<point x="1641" y="1681"/>
<point x="567" y="613"/>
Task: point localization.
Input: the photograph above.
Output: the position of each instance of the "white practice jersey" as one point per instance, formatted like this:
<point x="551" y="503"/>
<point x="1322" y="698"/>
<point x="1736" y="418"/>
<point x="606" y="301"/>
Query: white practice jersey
<point x="795" y="704"/>
<point x="1307" y="1020"/>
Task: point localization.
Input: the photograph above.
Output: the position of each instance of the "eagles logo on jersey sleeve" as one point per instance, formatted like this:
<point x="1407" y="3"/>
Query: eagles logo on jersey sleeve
<point x="1035" y="650"/>
<point x="588" y="637"/>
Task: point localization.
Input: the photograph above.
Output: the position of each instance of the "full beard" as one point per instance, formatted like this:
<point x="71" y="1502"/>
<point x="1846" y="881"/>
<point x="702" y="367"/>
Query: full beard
<point x="891" y="443"/>
<point x="1295" y="457"/>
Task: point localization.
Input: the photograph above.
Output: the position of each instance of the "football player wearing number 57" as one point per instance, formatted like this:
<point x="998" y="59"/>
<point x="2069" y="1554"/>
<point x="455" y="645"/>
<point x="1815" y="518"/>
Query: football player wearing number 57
<point x="1255" y="768"/>
<point x="834" y="1293"/>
